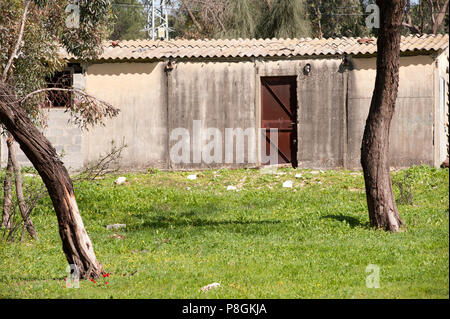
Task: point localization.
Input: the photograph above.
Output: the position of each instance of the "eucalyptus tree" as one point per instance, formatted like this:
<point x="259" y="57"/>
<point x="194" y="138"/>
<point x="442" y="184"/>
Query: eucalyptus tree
<point x="383" y="210"/>
<point x="340" y="18"/>
<point x="32" y="34"/>
<point x="426" y="16"/>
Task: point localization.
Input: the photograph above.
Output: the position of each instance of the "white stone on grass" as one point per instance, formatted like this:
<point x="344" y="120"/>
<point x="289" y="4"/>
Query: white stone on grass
<point x="192" y="177"/>
<point x="287" y="184"/>
<point x="298" y="175"/>
<point x="120" y="180"/>
<point x="116" y="226"/>
<point x="210" y="286"/>
<point x="231" y="188"/>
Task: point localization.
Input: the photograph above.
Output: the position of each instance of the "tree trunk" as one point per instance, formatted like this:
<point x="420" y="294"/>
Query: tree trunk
<point x="383" y="210"/>
<point x="19" y="191"/>
<point x="76" y="243"/>
<point x="319" y="19"/>
<point x="7" y="194"/>
<point x="191" y="15"/>
<point x="440" y="16"/>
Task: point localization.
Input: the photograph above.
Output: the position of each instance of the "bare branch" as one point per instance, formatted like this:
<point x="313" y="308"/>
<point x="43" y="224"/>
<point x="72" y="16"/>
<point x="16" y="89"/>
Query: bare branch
<point x="433" y="19"/>
<point x="28" y="224"/>
<point x="15" y="53"/>
<point x="7" y="191"/>
<point x="106" y="164"/>
<point x="217" y="19"/>
<point x="191" y="15"/>
<point x="412" y="27"/>
<point x="439" y="17"/>
<point x="86" y="109"/>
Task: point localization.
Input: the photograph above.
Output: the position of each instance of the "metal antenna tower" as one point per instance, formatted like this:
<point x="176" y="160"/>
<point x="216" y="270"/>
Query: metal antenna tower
<point x="157" y="19"/>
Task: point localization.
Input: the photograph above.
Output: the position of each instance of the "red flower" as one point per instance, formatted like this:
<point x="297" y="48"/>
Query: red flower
<point x="106" y="282"/>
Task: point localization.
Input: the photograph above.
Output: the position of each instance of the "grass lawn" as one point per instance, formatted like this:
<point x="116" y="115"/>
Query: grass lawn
<point x="263" y="241"/>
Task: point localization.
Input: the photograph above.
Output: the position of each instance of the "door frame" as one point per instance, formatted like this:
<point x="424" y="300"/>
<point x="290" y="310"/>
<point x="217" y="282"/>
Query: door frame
<point x="273" y="68"/>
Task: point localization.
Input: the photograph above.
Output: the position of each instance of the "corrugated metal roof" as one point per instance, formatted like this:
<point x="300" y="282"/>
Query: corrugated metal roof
<point x="160" y="49"/>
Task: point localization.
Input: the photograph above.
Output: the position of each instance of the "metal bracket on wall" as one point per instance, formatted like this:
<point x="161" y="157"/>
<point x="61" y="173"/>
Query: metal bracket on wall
<point x="170" y="65"/>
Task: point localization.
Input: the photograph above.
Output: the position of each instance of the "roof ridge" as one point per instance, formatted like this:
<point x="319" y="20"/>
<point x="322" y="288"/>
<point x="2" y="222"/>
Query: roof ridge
<point x="269" y="47"/>
<point x="424" y="35"/>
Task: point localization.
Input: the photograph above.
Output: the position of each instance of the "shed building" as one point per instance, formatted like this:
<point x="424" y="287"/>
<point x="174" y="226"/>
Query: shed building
<point x="315" y="92"/>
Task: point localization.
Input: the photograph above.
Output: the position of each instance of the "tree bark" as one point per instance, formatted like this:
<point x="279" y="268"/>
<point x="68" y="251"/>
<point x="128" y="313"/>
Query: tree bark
<point x="319" y="18"/>
<point x="15" y="53"/>
<point x="76" y="243"/>
<point x="7" y="194"/>
<point x="383" y="212"/>
<point x="19" y="190"/>
<point x="191" y="15"/>
<point x="440" y="16"/>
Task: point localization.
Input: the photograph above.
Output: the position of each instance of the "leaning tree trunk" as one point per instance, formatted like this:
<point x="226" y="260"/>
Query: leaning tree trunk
<point x="7" y="194"/>
<point x="383" y="211"/>
<point x="28" y="224"/>
<point x="76" y="243"/>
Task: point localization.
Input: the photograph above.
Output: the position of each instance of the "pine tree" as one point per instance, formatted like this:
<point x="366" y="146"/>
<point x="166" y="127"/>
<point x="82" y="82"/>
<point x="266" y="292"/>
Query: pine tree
<point x="285" y="19"/>
<point x="128" y="20"/>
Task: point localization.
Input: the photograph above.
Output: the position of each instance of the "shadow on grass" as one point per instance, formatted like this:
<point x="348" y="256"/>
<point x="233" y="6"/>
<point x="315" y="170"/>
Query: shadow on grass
<point x="207" y="215"/>
<point x="352" y="221"/>
<point x="167" y="221"/>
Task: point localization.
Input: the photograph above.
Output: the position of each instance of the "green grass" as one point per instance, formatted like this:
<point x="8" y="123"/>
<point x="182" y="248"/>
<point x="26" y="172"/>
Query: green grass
<point x="265" y="241"/>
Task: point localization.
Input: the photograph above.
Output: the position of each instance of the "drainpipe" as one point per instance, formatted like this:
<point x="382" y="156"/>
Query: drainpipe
<point x="168" y="68"/>
<point x="346" y="66"/>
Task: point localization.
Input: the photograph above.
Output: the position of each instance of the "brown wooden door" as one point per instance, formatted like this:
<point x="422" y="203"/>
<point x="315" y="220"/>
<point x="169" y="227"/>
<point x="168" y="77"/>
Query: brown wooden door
<point x="279" y="110"/>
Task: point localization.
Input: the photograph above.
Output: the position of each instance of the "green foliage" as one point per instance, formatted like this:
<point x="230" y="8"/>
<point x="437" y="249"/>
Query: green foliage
<point x="128" y="21"/>
<point x="242" y="18"/>
<point x="45" y="33"/>
<point x="341" y="18"/>
<point x="45" y="30"/>
<point x="282" y="19"/>
<point x="85" y="41"/>
<point x="265" y="241"/>
<point x="404" y="186"/>
<point x="285" y="19"/>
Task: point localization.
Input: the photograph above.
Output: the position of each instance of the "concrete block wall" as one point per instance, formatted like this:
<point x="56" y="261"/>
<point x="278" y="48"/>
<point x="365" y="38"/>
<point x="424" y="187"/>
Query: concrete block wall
<point x="66" y="137"/>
